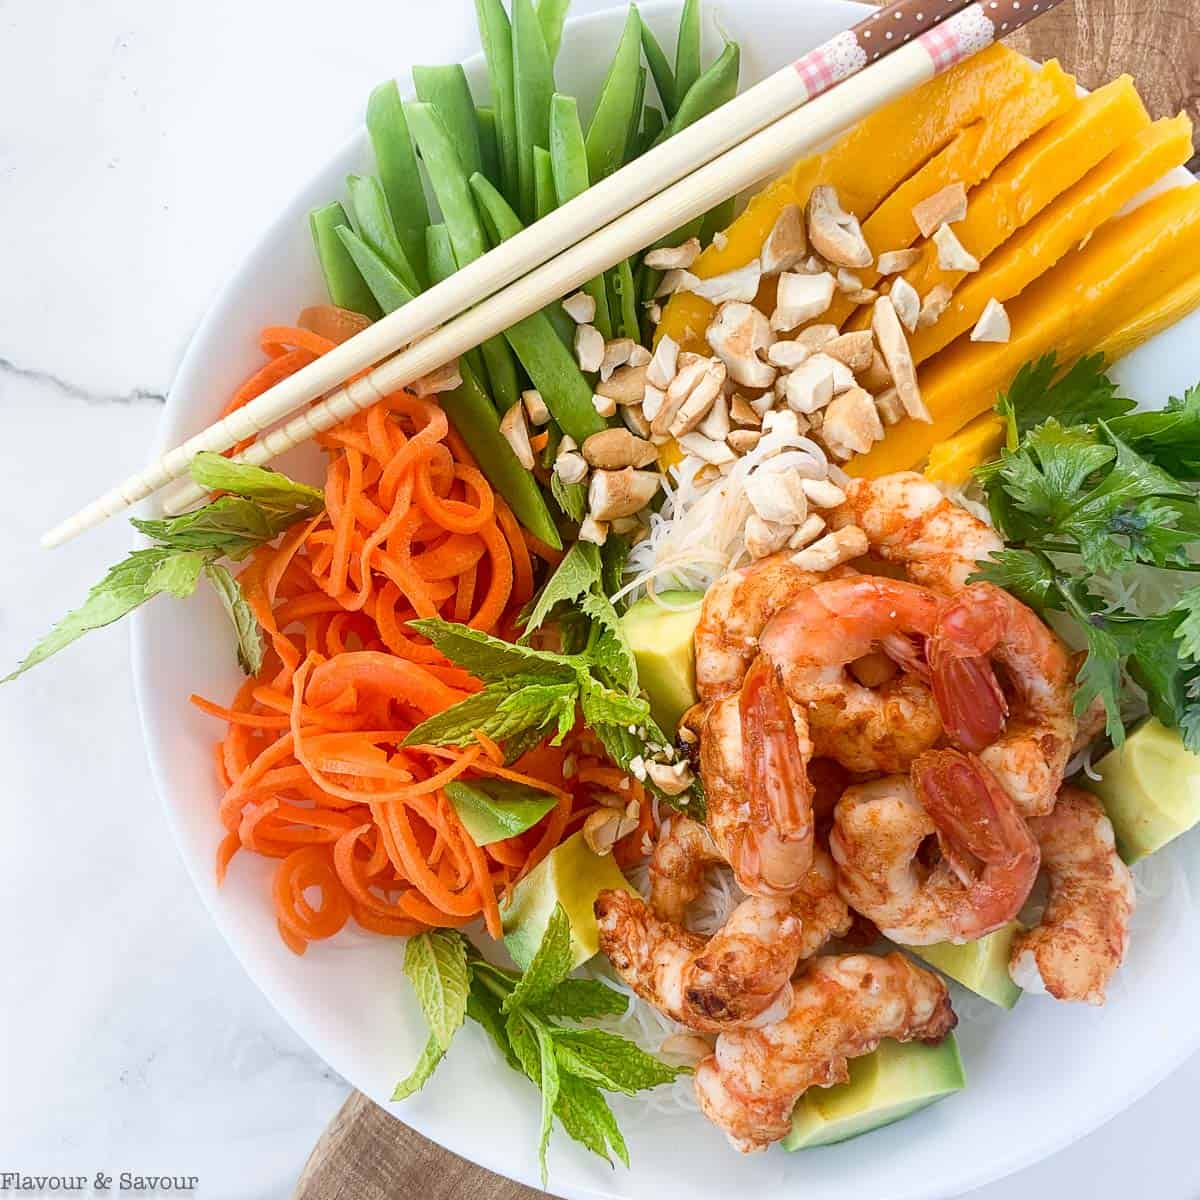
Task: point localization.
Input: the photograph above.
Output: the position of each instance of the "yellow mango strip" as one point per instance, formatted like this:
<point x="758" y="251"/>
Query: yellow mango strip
<point x="1099" y="195"/>
<point x="952" y="461"/>
<point x="865" y="164"/>
<point x="969" y="159"/>
<point x="1160" y="313"/>
<point x="1041" y="170"/>
<point x="1071" y="309"/>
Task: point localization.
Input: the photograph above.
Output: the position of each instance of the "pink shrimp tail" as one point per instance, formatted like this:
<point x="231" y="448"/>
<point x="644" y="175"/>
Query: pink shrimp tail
<point x="972" y="705"/>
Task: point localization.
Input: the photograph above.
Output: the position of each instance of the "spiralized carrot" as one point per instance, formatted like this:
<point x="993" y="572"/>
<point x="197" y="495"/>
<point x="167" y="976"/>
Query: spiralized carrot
<point x="312" y="767"/>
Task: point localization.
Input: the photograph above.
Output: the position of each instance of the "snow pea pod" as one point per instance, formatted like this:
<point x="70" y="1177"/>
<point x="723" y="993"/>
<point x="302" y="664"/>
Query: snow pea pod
<point x="687" y="49"/>
<point x="660" y="68"/>
<point x="343" y="280"/>
<point x="447" y="90"/>
<point x="533" y="85"/>
<point x="386" y="286"/>
<point x="373" y="220"/>
<point x="398" y="173"/>
<point x="546" y="201"/>
<point x="489" y="145"/>
<point x="495" y="33"/>
<point x="716" y="86"/>
<point x="608" y="132"/>
<point x="552" y="15"/>
<point x="441" y="266"/>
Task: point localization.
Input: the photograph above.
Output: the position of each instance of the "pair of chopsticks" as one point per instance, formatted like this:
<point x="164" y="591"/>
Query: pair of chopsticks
<point x="749" y="139"/>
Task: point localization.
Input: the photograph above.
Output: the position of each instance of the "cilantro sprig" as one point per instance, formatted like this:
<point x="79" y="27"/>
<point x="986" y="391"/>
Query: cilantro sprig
<point x="259" y="506"/>
<point x="1089" y="490"/>
<point x="524" y="1015"/>
<point x="531" y="693"/>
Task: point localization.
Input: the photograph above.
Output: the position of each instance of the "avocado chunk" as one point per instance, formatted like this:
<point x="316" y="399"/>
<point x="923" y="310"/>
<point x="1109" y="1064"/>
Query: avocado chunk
<point x="1150" y="788"/>
<point x="981" y="965"/>
<point x="571" y="875"/>
<point x="896" y="1080"/>
<point x="661" y="640"/>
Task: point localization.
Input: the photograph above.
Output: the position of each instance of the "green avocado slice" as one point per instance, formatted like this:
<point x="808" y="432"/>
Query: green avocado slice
<point x="1150" y="788"/>
<point x="571" y="875"/>
<point x="898" y="1079"/>
<point x="662" y="643"/>
<point x="981" y="965"/>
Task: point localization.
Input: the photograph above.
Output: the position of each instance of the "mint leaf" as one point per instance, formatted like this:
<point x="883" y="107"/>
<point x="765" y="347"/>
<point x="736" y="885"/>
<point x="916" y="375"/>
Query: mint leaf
<point x="574" y="576"/>
<point x="614" y="556"/>
<point x="231" y="526"/>
<point x="483" y="1007"/>
<point x="549" y="1086"/>
<point x="131" y="582"/>
<point x="570" y="497"/>
<point x="495" y="809"/>
<point x="610" y="652"/>
<point x="426" y="1065"/>
<point x="436" y="963"/>
<point x="587" y="1118"/>
<point x="550" y="965"/>
<point x="582" y="999"/>
<point x="245" y="624"/>
<point x="610" y="1061"/>
<point x="488" y="658"/>
<point x="604" y="706"/>
<point x="221" y="474"/>
<point x="501" y="711"/>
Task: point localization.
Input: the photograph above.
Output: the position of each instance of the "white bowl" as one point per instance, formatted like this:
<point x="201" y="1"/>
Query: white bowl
<point x="1040" y="1076"/>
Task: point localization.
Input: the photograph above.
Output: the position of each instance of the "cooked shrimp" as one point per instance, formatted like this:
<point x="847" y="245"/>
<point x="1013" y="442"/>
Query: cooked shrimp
<point x="738" y="975"/>
<point x="754" y="753"/>
<point x="683" y="852"/>
<point x="1081" y="939"/>
<point x="736" y="609"/>
<point x="989" y="857"/>
<point x="1026" y="737"/>
<point x="841" y="1007"/>
<point x="832" y="624"/>
<point x="909" y="522"/>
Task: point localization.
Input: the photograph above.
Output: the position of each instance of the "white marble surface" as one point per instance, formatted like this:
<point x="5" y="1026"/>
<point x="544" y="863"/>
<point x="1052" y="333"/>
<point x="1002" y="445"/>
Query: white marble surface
<point x="142" y="145"/>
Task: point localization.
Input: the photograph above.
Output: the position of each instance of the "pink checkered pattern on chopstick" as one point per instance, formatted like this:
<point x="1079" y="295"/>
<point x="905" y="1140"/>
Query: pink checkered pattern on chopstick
<point x="818" y="72"/>
<point x="945" y="45"/>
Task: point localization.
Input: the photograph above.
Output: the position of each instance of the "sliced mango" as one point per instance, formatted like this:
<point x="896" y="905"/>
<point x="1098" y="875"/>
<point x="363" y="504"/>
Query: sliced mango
<point x="1041" y="170"/>
<point x="952" y="461"/>
<point x="1100" y="194"/>
<point x="1158" y="314"/>
<point x="1072" y="308"/>
<point x="969" y="159"/>
<point x="865" y="165"/>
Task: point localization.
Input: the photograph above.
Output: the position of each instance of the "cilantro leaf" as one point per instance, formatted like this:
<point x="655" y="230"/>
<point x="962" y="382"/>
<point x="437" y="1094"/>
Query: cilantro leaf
<point x="611" y="1062"/>
<point x="246" y="629"/>
<point x="1169" y="438"/>
<point x="574" y="576"/>
<point x="550" y="965"/>
<point x="436" y="963"/>
<point x="489" y="658"/>
<point x="1027" y="574"/>
<point x="421" y="1073"/>
<point x="1188" y="630"/>
<point x="1083" y="395"/>
<point x="1100" y="677"/>
<point x="581" y="999"/>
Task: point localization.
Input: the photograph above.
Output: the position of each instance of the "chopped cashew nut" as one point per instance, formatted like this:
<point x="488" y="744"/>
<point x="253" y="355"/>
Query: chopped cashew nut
<point x="765" y="537"/>
<point x="847" y="281"/>
<point x="877" y="377"/>
<point x="600" y="830"/>
<point x="535" y="407"/>
<point x="613" y="494"/>
<point x="716" y="423"/>
<point x="809" y="387"/>
<point x="654" y="312"/>
<point x="581" y="308"/>
<point x="720" y="239"/>
<point x="741" y="284"/>
<point x="812" y="529"/>
<point x="993" y="324"/>
<point x="699" y="398"/>
<point x="626" y="385"/>
<point x="676" y="281"/>
<point x="742" y="441"/>
<point x="696" y="444"/>
<point x="516" y="434"/>
<point x="652" y="401"/>
<point x="639" y="356"/>
<point x="942" y="208"/>
<point x="862" y="296"/>
<point x="605" y="406"/>
<point x="570" y="466"/>
<point x="616" y="354"/>
<point x="778" y="496"/>
<point x="852" y="421"/>
<point x="889" y="333"/>
<point x="815" y="336"/>
<point x="936" y="301"/>
<point x="906" y="303"/>
<point x="742" y="411"/>
<point x="589" y="348"/>
<point x="635" y="420"/>
<point x="592" y="530"/>
<point x="444" y="379"/>
<point x="664" y="364"/>
<point x="823" y="493"/>
<point x="841" y="546"/>
<point x="852" y="349"/>
<point x="670" y="258"/>
<point x="891" y="411"/>
<point x="736" y="336"/>
<point x="800" y="298"/>
<point x="843" y="377"/>
<point x="787" y="355"/>
<point x="892" y="262"/>
<point x="611" y="449"/>
<point x="952" y="254"/>
<point x="673" y="779"/>
<point x="786" y="245"/>
<point x="834" y="233"/>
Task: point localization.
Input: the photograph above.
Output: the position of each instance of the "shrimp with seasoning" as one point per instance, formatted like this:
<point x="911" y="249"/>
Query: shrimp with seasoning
<point x="1025" y="736"/>
<point x="1081" y="939"/>
<point x="739" y="975"/>
<point x="842" y="1007"/>
<point x="989" y="857"/>
<point x="832" y="624"/>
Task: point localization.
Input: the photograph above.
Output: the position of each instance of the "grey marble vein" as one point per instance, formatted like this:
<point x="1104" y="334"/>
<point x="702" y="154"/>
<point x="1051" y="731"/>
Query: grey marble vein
<point x="76" y="391"/>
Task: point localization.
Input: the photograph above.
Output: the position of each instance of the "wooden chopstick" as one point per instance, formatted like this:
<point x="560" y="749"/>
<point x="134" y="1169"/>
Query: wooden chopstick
<point x="830" y="88"/>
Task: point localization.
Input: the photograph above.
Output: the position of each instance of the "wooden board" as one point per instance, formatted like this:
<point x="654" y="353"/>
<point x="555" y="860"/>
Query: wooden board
<point x="365" y="1154"/>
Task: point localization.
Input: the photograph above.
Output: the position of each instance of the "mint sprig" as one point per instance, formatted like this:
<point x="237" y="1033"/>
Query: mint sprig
<point x="571" y="1066"/>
